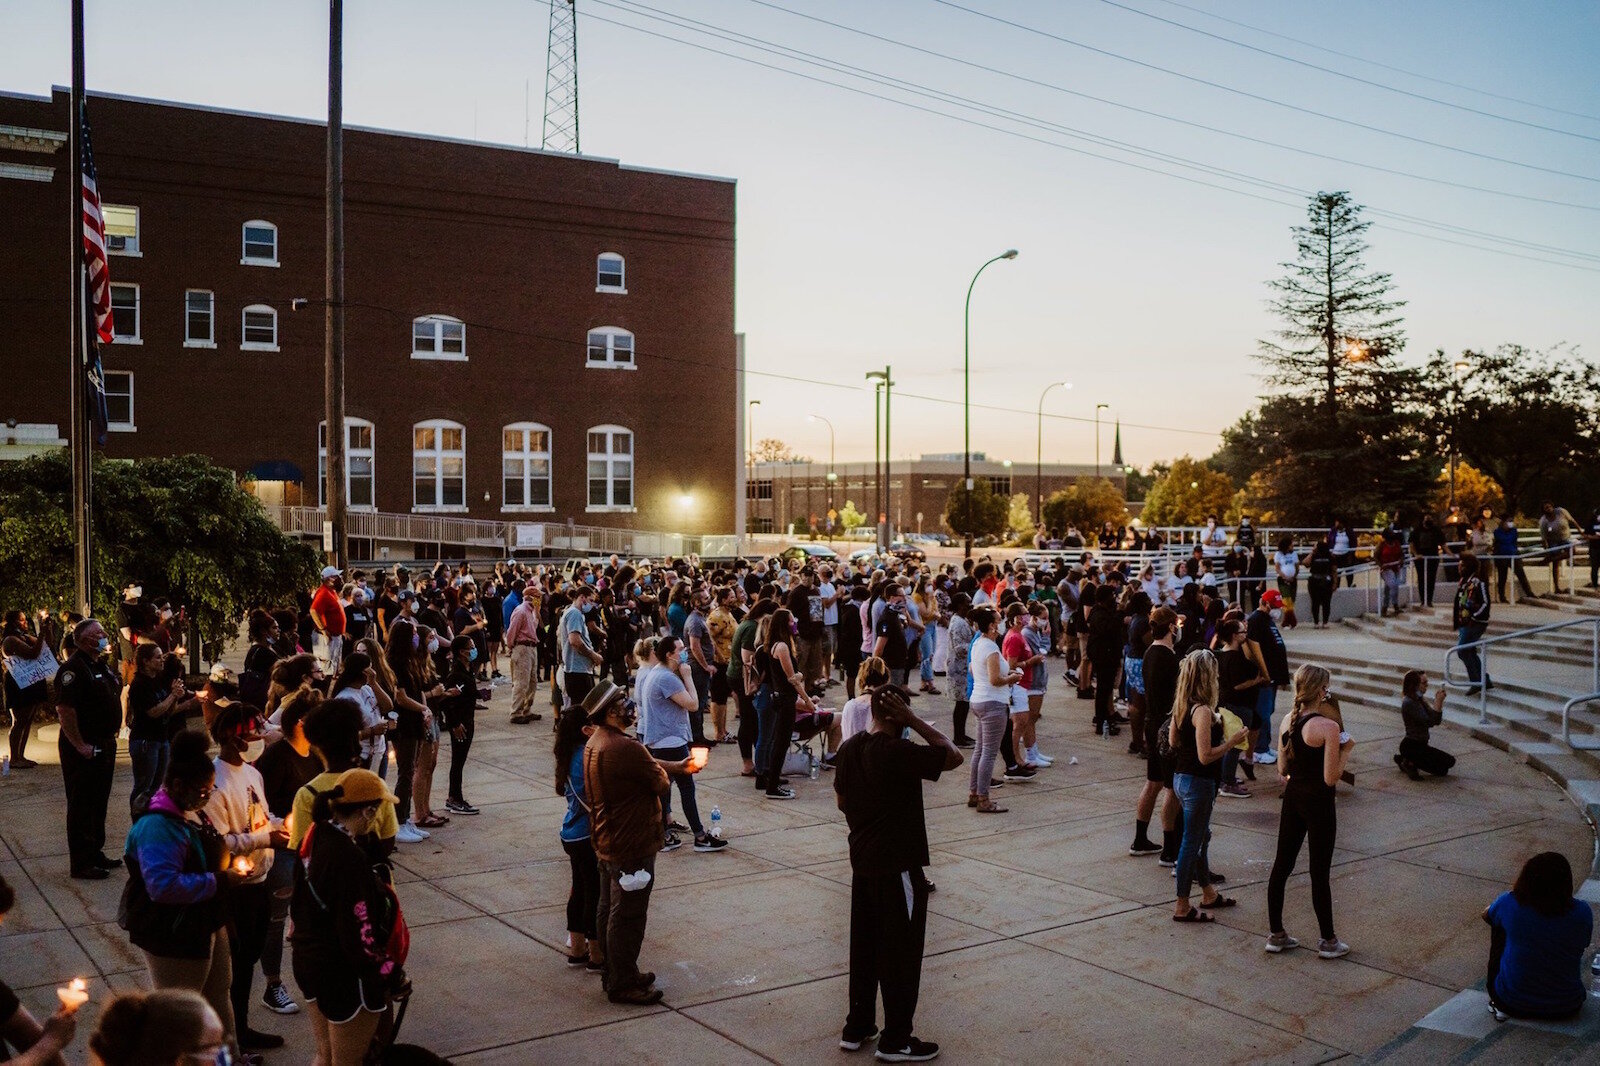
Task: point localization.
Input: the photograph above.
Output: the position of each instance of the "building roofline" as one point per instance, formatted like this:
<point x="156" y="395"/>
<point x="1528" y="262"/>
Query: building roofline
<point x="380" y="130"/>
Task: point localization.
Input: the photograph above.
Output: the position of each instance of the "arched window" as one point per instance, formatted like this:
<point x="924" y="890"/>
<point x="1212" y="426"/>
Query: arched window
<point x="438" y="337"/>
<point x="525" y="466"/>
<point x="611" y="347"/>
<point x="358" y="463"/>
<point x="609" y="275"/>
<point x="439" y="465"/>
<point x="610" y="469"/>
<point x="260" y="243"/>
<point x="260" y="329"/>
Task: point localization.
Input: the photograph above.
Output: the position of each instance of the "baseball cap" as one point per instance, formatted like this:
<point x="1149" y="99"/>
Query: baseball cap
<point x="223" y="686"/>
<point x="330" y="571"/>
<point x="361" y="787"/>
<point x="1271" y="598"/>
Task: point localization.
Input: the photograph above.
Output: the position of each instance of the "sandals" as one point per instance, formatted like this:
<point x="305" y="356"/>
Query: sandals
<point x="1219" y="903"/>
<point x="1195" y="916"/>
<point x="988" y="806"/>
<point x="432" y="821"/>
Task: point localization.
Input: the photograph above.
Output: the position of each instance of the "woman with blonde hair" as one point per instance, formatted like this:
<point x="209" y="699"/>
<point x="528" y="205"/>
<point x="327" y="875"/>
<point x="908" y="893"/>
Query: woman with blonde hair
<point x="1313" y="750"/>
<point x="1197" y="749"/>
<point x="856" y="717"/>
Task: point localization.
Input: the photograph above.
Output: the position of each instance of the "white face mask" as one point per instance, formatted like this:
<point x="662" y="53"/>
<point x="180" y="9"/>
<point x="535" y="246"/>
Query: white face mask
<point x="433" y="645"/>
<point x="1277" y="615"/>
<point x="253" y="750"/>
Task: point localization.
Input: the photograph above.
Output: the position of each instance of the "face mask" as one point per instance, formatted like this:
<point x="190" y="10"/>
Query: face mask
<point x="794" y="628"/>
<point x="586" y="608"/>
<point x="416" y="641"/>
<point x="433" y="645"/>
<point x="166" y="616"/>
<point x="588" y="578"/>
<point x="102" y="645"/>
<point x="472" y="654"/>
<point x="253" y="750"/>
<point x="1277" y="614"/>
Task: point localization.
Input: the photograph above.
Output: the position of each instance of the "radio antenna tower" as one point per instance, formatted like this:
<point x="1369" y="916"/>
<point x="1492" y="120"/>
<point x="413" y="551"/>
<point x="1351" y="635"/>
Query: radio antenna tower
<point x="561" y="79"/>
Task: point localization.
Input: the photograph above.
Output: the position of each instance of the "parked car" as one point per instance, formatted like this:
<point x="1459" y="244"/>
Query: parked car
<point x="864" y="555"/>
<point x="812" y="553"/>
<point x="902" y="550"/>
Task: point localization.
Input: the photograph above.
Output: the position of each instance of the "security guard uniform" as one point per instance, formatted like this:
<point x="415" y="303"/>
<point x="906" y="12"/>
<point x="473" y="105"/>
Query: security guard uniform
<point x="90" y="688"/>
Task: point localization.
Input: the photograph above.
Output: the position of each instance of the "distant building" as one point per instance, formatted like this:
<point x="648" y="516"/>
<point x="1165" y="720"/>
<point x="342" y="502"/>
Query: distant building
<point x="777" y="494"/>
<point x="530" y="337"/>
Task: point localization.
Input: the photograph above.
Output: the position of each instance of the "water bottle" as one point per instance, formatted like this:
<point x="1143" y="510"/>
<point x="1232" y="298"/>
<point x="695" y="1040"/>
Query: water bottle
<point x="1105" y="728"/>
<point x="5" y="766"/>
<point x="716" y="822"/>
<point x="816" y="769"/>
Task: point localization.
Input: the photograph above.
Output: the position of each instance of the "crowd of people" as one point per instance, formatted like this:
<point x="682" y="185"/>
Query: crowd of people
<point x="261" y="799"/>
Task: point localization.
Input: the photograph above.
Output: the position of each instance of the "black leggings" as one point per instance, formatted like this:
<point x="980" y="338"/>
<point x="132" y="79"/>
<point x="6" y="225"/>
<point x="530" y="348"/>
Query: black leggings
<point x="1321" y="590"/>
<point x="1105" y="687"/>
<point x="749" y="724"/>
<point x="959" y="719"/>
<point x="783" y="705"/>
<point x="1304" y="814"/>
<point x="583" y="900"/>
<point x="458" y="756"/>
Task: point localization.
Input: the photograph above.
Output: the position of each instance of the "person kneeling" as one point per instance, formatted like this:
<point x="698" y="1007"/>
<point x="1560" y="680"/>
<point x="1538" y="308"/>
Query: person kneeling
<point x="1415" y="756"/>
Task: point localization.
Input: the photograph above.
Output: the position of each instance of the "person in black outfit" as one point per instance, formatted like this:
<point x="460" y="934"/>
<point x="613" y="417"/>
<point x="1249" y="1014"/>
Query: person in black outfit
<point x="287" y="766"/>
<point x="88" y="700"/>
<point x="457" y="711"/>
<point x="788" y="694"/>
<point x="1427" y="544"/>
<point x="889" y="634"/>
<point x="878" y="784"/>
<point x="1160" y="687"/>
<point x="1320" y="569"/>
<point x="24" y="703"/>
<point x="1415" y="754"/>
<point x="1107" y="635"/>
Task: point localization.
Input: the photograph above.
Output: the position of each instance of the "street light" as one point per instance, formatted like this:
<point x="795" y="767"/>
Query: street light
<point x="1097" y="409"/>
<point x="751" y="495"/>
<point x="884" y="382"/>
<point x="1462" y="369"/>
<point x="832" y="477"/>
<point x="966" y="393"/>
<point x="1038" y="459"/>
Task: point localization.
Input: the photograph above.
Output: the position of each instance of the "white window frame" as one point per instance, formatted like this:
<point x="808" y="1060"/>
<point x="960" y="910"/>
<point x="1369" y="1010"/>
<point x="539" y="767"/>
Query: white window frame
<point x="526" y="456"/>
<point x="438" y="322"/>
<point x="258" y="346"/>
<point x="439" y="455"/>
<point x="211" y="319"/>
<point x="120" y="427"/>
<point x="369" y="453"/>
<point x="600" y="285"/>
<point x="611" y="457"/>
<point x="138" y="315"/>
<point x="610" y="362"/>
<point x="245" y="258"/>
<point x="130" y="250"/>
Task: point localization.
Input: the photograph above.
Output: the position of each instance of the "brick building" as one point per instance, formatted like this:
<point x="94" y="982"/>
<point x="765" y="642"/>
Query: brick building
<point x="778" y="494"/>
<point x="529" y="336"/>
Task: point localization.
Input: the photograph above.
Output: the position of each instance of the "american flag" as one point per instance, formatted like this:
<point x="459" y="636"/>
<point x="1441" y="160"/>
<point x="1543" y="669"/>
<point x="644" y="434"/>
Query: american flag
<point x="94" y="239"/>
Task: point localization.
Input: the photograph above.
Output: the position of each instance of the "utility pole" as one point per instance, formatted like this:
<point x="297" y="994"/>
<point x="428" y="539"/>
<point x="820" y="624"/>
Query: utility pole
<point x="333" y="529"/>
<point x="883" y="380"/>
<point x="81" y="434"/>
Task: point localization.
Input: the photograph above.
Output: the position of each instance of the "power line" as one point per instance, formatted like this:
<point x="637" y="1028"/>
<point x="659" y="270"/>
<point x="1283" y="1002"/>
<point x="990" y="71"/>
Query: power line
<point x="1349" y="77"/>
<point x="1056" y="87"/>
<point x="994" y="112"/>
<point x="1379" y="63"/>
<point x="1263" y="99"/>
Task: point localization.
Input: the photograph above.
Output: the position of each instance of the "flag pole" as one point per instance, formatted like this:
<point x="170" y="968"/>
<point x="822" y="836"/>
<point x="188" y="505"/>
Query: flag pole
<point x="335" y="543"/>
<point x="82" y="442"/>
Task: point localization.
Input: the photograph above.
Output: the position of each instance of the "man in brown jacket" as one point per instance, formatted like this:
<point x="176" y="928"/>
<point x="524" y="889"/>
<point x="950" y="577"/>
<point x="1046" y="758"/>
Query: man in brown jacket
<point x="624" y="785"/>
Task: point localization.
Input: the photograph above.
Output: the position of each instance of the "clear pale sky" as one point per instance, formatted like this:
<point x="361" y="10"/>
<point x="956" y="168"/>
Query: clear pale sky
<point x="861" y="221"/>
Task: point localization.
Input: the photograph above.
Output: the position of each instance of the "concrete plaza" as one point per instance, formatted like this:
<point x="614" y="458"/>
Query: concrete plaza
<point x="1046" y="941"/>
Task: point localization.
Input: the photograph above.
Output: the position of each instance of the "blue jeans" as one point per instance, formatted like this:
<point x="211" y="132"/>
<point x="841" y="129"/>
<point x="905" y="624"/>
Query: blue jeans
<point x="149" y="758"/>
<point x="1469" y="634"/>
<point x="1391" y="590"/>
<point x="685" y="782"/>
<point x="1266" y="704"/>
<point x="929" y="641"/>
<point x="1198" y="795"/>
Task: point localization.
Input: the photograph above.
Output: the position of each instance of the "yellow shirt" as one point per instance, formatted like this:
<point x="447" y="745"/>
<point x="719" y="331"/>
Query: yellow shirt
<point x="722" y="625"/>
<point x="386" y="825"/>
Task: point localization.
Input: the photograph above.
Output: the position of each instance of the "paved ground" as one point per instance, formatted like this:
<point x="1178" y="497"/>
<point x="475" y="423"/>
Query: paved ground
<point x="1046" y="940"/>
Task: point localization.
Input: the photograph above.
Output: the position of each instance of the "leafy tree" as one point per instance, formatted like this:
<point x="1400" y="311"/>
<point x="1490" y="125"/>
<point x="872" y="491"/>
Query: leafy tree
<point x="1019" y="517"/>
<point x="1239" y="457"/>
<point x="849" y="517"/>
<point x="1475" y="490"/>
<point x="773" y="450"/>
<point x="181" y="526"/>
<point x="988" y="510"/>
<point x="1087" y="504"/>
<point x="1139" y="481"/>
<point x="1524" y="418"/>
<point x="1186" y="494"/>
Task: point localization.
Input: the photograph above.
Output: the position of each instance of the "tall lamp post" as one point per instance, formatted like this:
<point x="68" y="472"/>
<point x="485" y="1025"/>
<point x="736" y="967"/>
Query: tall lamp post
<point x="966" y="395"/>
<point x="1038" y="458"/>
<point x="750" y="452"/>
<point x="884" y="382"/>
<point x="1097" y="409"/>
<point x="832" y="477"/>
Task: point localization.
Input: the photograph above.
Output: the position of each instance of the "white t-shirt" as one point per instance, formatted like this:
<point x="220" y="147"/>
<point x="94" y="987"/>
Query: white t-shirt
<point x="978" y="665"/>
<point x="238" y="809"/>
<point x="855" y="718"/>
<point x="1288" y="562"/>
<point x="364" y="698"/>
<point x="830" y="613"/>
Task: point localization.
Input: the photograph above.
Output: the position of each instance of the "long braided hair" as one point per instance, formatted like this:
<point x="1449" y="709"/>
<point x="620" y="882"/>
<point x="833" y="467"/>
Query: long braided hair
<point x="1310" y="682"/>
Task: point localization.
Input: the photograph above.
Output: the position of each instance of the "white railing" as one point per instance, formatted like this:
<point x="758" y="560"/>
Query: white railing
<point x="1566" y="722"/>
<point x="1481" y="647"/>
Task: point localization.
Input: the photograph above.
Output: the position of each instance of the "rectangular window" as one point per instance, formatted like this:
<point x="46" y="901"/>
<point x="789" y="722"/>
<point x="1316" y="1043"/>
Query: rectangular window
<point x="358" y="464"/>
<point x="610" y="468"/>
<point x="609" y="276"/>
<point x="758" y="489"/>
<point x="260" y="329"/>
<point x="125" y="313"/>
<point x="122" y="229"/>
<point x="200" y="327"/>
<point x="610" y="347"/>
<point x="260" y="244"/>
<point x="438" y="337"/>
<point x="999" y="485"/>
<point x="119" y="400"/>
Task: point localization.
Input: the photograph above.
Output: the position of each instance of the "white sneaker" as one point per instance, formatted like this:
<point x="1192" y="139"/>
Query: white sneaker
<point x="1039" y="759"/>
<point x="410" y="834"/>
<point x="1265" y="758"/>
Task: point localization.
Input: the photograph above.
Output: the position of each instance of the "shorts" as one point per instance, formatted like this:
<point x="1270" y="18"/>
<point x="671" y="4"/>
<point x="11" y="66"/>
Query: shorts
<point x="720" y="688"/>
<point x="339" y="996"/>
<point x="1018" y="700"/>
<point x="1248" y="716"/>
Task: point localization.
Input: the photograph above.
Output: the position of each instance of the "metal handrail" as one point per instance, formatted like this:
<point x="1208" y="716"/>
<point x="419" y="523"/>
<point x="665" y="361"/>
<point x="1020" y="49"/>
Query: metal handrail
<point x="1482" y="648"/>
<point x="1566" y="721"/>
